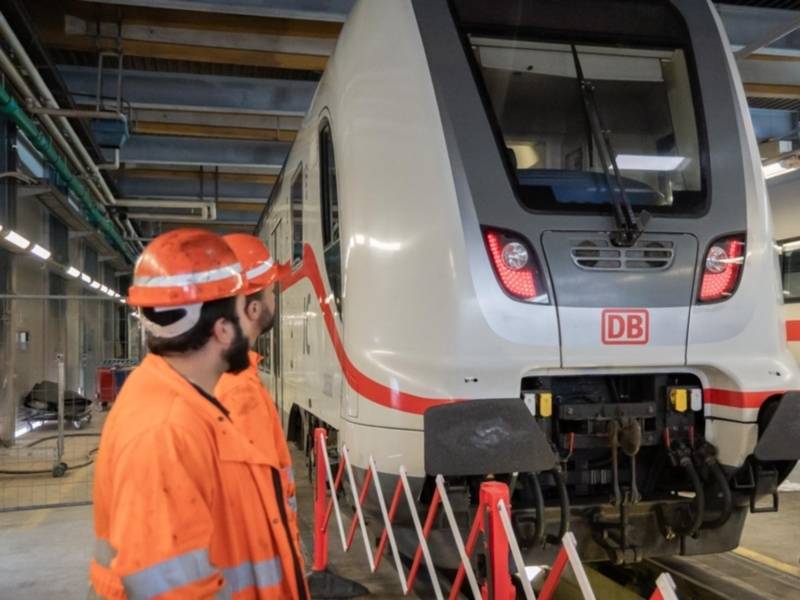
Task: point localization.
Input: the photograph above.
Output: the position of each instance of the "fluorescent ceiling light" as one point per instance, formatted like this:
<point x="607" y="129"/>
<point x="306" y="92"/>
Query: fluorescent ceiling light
<point x="42" y="253"/>
<point x="779" y="168"/>
<point x="640" y="162"/>
<point x="85" y="278"/>
<point x="110" y="293"/>
<point x="73" y="272"/>
<point x="122" y="300"/>
<point x="104" y="289"/>
<point x="95" y="285"/>
<point x="16" y="239"/>
<point x="116" y="295"/>
<point x="791" y="246"/>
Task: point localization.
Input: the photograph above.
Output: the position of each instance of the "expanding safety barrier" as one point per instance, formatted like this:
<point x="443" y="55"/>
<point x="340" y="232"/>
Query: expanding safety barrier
<point x="492" y="519"/>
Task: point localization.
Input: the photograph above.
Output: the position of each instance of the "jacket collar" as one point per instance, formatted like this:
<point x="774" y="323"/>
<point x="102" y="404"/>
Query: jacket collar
<point x="161" y="368"/>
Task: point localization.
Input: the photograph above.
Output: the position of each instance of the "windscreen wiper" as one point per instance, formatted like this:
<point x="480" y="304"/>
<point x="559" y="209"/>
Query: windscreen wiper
<point x="629" y="227"/>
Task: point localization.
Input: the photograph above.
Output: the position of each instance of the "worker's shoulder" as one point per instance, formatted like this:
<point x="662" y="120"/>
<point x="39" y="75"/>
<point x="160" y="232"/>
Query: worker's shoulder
<point x="147" y="402"/>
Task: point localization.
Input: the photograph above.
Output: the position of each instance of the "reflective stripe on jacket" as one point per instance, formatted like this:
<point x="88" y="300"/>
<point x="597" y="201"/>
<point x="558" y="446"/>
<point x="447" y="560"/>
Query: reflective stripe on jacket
<point x="184" y="504"/>
<point x="254" y="413"/>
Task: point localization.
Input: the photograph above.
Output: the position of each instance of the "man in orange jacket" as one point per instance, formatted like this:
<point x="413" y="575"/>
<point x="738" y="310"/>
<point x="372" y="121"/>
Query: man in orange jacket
<point x="243" y="394"/>
<point x="186" y="505"/>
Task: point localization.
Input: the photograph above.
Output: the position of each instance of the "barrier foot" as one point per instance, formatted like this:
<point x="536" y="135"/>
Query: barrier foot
<point x="325" y="585"/>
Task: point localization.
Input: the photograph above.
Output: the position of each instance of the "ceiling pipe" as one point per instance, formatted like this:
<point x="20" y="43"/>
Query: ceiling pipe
<point x="44" y="92"/>
<point x="208" y="210"/>
<point x="43" y="144"/>
<point x="22" y="87"/>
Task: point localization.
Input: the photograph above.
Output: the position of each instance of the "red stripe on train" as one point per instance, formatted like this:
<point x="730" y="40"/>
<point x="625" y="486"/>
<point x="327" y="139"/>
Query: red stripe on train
<point x="739" y="400"/>
<point x="409" y="403"/>
<point x="361" y="383"/>
<point x="793" y="331"/>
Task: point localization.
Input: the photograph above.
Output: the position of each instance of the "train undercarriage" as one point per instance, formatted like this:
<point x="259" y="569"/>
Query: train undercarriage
<point x="622" y="462"/>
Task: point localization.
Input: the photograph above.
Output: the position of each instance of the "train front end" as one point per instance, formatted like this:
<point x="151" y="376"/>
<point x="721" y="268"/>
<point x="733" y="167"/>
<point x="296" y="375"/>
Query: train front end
<point x="619" y="242"/>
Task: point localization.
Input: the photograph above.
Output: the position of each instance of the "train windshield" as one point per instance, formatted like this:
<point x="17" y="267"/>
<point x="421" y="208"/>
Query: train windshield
<point x="644" y="102"/>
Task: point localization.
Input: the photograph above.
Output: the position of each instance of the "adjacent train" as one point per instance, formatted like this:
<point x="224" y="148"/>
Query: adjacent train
<point x="530" y="240"/>
<point x="786" y="214"/>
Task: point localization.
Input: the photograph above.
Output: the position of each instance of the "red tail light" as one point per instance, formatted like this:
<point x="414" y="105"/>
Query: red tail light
<point x="515" y="266"/>
<point x="723" y="268"/>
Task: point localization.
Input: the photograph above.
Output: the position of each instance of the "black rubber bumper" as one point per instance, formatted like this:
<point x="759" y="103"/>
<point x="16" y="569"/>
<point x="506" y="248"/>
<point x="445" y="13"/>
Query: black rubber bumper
<point x="781" y="438"/>
<point x="479" y="437"/>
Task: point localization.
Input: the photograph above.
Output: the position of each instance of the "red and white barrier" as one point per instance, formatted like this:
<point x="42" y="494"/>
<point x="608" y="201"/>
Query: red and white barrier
<point x="665" y="588"/>
<point x="492" y="519"/>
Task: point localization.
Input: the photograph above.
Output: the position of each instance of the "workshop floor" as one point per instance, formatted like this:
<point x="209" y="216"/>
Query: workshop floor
<point x="45" y="553"/>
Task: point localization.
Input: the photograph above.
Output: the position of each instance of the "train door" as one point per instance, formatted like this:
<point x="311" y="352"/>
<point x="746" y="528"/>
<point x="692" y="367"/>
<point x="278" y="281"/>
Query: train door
<point x="276" y="356"/>
<point x="331" y="242"/>
<point x="790" y="270"/>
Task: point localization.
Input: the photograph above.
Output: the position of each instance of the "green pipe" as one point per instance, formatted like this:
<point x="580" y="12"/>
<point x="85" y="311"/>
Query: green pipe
<point x="42" y="143"/>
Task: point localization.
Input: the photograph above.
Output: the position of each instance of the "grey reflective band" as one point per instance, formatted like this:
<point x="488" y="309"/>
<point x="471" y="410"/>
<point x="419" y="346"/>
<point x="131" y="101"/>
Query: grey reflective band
<point x="264" y="574"/>
<point x="160" y="281"/>
<point x="260" y="269"/>
<point x="289" y="474"/>
<point x="104" y="552"/>
<point x="224" y="594"/>
<point x="168" y="575"/>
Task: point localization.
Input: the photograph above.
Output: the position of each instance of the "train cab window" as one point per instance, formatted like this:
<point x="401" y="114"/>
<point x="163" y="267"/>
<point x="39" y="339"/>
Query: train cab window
<point x="790" y="269"/>
<point x="563" y="107"/>
<point x="296" y="202"/>
<point x="330" y="213"/>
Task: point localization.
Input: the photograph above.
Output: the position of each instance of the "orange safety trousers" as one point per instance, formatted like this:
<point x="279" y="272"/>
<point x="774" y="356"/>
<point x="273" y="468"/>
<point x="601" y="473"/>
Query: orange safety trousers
<point x="185" y="505"/>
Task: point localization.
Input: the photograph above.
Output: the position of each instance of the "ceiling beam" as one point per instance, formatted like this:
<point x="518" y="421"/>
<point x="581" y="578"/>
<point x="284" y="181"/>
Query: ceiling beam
<point x="770" y="72"/>
<point x="192" y="173"/>
<point x="199" y="93"/>
<point x="173" y="150"/>
<point x="191" y="53"/>
<point x="749" y="27"/>
<point x="178" y="34"/>
<point x="248" y="207"/>
<point x="193" y="189"/>
<point x="216" y="119"/>
<point x="187" y="18"/>
<point x="308" y="10"/>
<point x="210" y="131"/>
<point x="764" y="90"/>
<point x="769" y="37"/>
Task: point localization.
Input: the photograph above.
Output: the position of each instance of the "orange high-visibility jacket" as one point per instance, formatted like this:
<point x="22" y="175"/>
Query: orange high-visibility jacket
<point x="185" y="504"/>
<point x="253" y="411"/>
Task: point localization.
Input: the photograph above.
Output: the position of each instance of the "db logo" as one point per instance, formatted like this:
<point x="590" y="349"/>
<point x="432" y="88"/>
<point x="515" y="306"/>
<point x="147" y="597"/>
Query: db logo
<point x="626" y="326"/>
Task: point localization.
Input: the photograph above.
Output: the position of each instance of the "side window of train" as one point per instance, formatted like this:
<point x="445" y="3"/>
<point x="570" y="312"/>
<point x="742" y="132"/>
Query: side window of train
<point x="790" y="268"/>
<point x="330" y="213"/>
<point x="296" y="201"/>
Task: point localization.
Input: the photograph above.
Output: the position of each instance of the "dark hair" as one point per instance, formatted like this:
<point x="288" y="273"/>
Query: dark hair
<point x="197" y="336"/>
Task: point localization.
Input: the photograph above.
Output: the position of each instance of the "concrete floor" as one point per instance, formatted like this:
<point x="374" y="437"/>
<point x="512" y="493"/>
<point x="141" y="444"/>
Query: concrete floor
<point x="45" y="553"/>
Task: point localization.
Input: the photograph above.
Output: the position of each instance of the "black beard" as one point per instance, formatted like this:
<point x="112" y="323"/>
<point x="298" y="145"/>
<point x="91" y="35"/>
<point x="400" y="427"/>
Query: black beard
<point x="237" y="355"/>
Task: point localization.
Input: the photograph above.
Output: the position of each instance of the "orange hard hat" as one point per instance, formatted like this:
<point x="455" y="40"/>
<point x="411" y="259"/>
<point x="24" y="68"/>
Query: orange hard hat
<point x="258" y="267"/>
<point x="183" y="267"/>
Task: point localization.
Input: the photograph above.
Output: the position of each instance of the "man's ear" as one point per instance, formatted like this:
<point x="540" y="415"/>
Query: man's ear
<point x="253" y="310"/>
<point x="224" y="331"/>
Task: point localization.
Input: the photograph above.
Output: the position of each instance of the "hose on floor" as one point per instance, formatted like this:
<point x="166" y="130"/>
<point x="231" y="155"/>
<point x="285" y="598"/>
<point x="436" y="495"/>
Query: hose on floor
<point x="89" y="457"/>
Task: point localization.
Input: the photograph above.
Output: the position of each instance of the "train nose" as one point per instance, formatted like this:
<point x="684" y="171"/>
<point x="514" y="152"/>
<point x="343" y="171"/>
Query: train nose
<point x="622" y="305"/>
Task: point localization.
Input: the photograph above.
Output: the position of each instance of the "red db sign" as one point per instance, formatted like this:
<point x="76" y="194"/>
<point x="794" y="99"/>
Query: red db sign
<point x="626" y="326"/>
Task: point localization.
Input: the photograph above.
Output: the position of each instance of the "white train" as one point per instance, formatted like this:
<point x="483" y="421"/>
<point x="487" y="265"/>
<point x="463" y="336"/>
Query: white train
<point x="530" y="239"/>
<point x="786" y="214"/>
